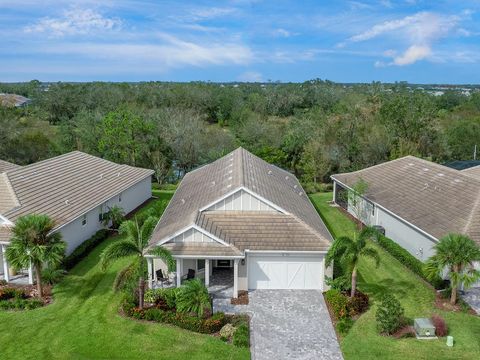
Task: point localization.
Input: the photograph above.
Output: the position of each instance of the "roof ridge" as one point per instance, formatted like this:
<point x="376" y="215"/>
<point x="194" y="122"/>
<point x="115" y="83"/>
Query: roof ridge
<point x="10" y="189"/>
<point x="242" y="166"/>
<point x="472" y="214"/>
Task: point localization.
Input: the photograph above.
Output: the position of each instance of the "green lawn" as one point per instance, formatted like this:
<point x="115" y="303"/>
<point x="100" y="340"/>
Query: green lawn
<point x="363" y="342"/>
<point x="83" y="323"/>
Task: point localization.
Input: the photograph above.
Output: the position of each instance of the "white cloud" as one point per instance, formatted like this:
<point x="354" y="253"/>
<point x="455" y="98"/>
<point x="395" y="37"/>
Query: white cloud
<point x="211" y="13"/>
<point x="419" y="32"/>
<point x="251" y="76"/>
<point x="74" y="22"/>
<point x="282" y="33"/>
<point x="167" y="51"/>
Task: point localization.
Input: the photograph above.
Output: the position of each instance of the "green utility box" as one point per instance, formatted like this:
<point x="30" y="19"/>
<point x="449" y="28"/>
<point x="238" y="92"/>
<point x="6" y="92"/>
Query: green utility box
<point x="424" y="328"/>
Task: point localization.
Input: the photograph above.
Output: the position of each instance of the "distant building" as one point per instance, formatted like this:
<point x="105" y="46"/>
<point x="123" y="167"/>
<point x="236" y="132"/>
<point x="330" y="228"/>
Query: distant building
<point x="14" y="100"/>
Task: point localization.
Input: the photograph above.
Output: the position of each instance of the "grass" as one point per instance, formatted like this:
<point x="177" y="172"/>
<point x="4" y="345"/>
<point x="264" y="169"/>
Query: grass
<point x="83" y="323"/>
<point x="417" y="297"/>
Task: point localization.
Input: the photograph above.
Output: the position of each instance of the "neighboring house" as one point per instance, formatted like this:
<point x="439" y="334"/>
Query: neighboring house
<point x="416" y="201"/>
<point x="74" y="189"/>
<point x="14" y="100"/>
<point x="242" y="214"/>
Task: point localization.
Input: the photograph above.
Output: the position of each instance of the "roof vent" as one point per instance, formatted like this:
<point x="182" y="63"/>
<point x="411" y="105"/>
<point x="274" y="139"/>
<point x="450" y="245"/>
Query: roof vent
<point x="295" y="186"/>
<point x="457" y="180"/>
<point x="213" y="183"/>
<point x="287" y="177"/>
<point x="67" y="202"/>
<point x="269" y="172"/>
<point x="410" y="164"/>
<point x="183" y="201"/>
<point x="118" y="174"/>
<point x="425" y="169"/>
<point x="101" y="176"/>
<point x="440" y="174"/>
<point x="229" y="185"/>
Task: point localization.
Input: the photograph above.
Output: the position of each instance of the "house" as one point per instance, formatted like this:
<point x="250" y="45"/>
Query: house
<point x="14" y="100"/>
<point x="416" y="201"/>
<point x="249" y="218"/>
<point x="74" y="189"/>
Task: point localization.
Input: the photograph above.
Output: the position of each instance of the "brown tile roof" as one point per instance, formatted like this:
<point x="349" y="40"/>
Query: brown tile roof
<point x="437" y="199"/>
<point x="199" y="249"/>
<point x="8" y="200"/>
<point x="262" y="230"/>
<point x="473" y="172"/>
<point x="67" y="186"/>
<point x="240" y="168"/>
<point x="5" y="165"/>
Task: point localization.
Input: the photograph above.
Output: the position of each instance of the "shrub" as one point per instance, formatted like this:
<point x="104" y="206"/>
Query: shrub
<point x="441" y="328"/>
<point x="338" y="303"/>
<point x="84" y="248"/>
<point x="342" y="282"/>
<point x="227" y="331"/>
<point x="193" y="297"/>
<point x="19" y="303"/>
<point x="405" y="332"/>
<point x="52" y="275"/>
<point x="408" y="260"/>
<point x="358" y="304"/>
<point x="313" y="187"/>
<point x="153" y="295"/>
<point x="241" y="337"/>
<point x="389" y="314"/>
<point x="12" y="293"/>
<point x="344" y="326"/>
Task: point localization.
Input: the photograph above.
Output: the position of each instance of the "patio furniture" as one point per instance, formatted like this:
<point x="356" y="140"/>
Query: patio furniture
<point x="190" y="275"/>
<point x="164" y="280"/>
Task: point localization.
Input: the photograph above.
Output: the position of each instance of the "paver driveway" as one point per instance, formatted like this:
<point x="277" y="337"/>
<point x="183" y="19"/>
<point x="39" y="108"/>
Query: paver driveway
<point x="291" y="324"/>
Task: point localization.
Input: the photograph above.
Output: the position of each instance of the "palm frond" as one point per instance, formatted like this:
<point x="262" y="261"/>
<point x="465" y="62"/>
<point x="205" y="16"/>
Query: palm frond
<point x="125" y="275"/>
<point x="165" y="255"/>
<point x="371" y="253"/>
<point x="116" y="251"/>
<point x="147" y="229"/>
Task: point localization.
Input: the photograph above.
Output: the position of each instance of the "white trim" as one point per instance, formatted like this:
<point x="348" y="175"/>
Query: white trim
<point x="101" y="203"/>
<point x="391" y="213"/>
<point x="305" y="252"/>
<point x="5" y="221"/>
<point x="211" y="257"/>
<point x="252" y="193"/>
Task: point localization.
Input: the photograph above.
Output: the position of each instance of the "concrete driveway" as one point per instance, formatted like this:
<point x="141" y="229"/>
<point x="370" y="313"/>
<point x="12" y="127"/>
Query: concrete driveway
<point x="291" y="324"/>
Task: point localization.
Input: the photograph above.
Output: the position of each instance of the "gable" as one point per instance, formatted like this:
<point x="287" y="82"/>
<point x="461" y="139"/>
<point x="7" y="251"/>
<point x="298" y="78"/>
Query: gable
<point x="241" y="201"/>
<point x="191" y="235"/>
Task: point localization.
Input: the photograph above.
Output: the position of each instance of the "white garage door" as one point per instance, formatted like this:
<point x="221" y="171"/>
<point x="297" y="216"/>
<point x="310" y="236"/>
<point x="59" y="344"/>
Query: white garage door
<point x="285" y="272"/>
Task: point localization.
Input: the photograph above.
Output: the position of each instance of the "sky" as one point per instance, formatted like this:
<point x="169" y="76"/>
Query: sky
<point x="239" y="40"/>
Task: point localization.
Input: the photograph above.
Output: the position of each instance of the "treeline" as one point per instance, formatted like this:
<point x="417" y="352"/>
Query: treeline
<point x="313" y="129"/>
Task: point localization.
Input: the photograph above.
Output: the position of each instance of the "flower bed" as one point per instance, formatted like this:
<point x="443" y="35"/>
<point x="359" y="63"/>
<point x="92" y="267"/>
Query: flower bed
<point x="19" y="298"/>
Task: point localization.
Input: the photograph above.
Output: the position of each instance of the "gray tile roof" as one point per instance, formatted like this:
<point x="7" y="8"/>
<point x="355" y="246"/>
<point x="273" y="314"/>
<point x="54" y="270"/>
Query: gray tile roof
<point x="435" y="198"/>
<point x="240" y="168"/>
<point x="262" y="230"/>
<point x="65" y="187"/>
<point x="5" y="165"/>
<point x="473" y="172"/>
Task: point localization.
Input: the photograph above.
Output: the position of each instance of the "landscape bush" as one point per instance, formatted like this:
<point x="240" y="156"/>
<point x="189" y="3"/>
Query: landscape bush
<point x="338" y="303"/>
<point x="227" y="331"/>
<point x="193" y="297"/>
<point x="21" y="304"/>
<point x="241" y="337"/>
<point x="8" y="293"/>
<point x="407" y="259"/>
<point x="344" y="325"/>
<point x="315" y="187"/>
<point x="405" y="332"/>
<point x="389" y="314"/>
<point x="84" y="249"/>
<point x="358" y="304"/>
<point x="441" y="328"/>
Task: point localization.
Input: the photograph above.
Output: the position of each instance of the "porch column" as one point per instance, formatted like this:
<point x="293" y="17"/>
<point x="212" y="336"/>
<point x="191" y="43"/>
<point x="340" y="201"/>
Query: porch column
<point x="334" y="191"/>
<point x="207" y="272"/>
<point x="235" y="278"/>
<point x="150" y="271"/>
<point x="6" y="275"/>
<point x="179" y="272"/>
<point x="30" y="274"/>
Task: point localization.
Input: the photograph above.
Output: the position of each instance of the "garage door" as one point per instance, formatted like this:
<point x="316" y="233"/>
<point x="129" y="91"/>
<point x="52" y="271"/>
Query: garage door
<point x="285" y="272"/>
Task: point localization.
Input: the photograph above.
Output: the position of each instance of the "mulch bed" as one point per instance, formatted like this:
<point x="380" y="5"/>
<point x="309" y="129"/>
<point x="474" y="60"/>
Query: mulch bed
<point x="242" y="298"/>
<point x="31" y="291"/>
<point x="444" y="304"/>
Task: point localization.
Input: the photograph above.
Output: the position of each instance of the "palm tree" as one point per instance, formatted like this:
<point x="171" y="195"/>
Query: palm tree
<point x="34" y="244"/>
<point x="349" y="251"/>
<point x="135" y="244"/>
<point x="116" y="215"/>
<point x="193" y="297"/>
<point x="457" y="253"/>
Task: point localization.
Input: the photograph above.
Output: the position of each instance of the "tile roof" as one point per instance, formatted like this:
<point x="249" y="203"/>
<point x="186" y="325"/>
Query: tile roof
<point x="262" y="230"/>
<point x="65" y="187"/>
<point x="473" y="172"/>
<point x="5" y="165"/>
<point x="435" y="198"/>
<point x="198" y="249"/>
<point x="238" y="169"/>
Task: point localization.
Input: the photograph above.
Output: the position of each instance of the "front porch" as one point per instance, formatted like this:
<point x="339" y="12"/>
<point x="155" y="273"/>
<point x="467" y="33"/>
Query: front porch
<point x="22" y="277"/>
<point x="220" y="276"/>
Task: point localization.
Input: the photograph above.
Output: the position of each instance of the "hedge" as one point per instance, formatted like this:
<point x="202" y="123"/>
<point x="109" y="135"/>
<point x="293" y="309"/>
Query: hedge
<point x="84" y="248"/>
<point x="407" y="259"/>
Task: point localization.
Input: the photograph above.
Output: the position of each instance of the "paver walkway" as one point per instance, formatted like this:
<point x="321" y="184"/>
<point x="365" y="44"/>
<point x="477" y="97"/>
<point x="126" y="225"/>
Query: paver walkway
<point x="291" y="324"/>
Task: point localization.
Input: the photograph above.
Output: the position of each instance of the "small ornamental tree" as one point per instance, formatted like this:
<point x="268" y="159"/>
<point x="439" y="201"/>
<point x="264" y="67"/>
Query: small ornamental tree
<point x="116" y="215"/>
<point x="389" y="314"/>
<point x="193" y="297"/>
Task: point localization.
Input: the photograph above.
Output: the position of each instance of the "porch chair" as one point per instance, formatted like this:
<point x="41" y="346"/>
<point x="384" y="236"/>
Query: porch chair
<point x="164" y="280"/>
<point x="190" y="275"/>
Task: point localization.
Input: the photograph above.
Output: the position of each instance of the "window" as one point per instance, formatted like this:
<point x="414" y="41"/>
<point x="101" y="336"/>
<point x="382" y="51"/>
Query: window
<point x="84" y="220"/>
<point x="200" y="264"/>
<point x="120" y="197"/>
<point x="100" y="213"/>
<point x="373" y="210"/>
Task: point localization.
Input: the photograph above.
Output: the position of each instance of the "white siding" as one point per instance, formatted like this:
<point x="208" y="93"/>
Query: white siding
<point x="74" y="233"/>
<point x="418" y="244"/>
<point x="191" y="235"/>
<point x="241" y="200"/>
<point x="363" y="210"/>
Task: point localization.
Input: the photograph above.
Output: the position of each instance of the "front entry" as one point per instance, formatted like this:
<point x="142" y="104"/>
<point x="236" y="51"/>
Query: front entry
<point x="286" y="271"/>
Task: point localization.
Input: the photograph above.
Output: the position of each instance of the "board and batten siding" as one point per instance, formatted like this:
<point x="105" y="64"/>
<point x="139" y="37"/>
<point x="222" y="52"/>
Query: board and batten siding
<point x="241" y="200"/>
<point x="75" y="233"/>
<point x="191" y="235"/>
